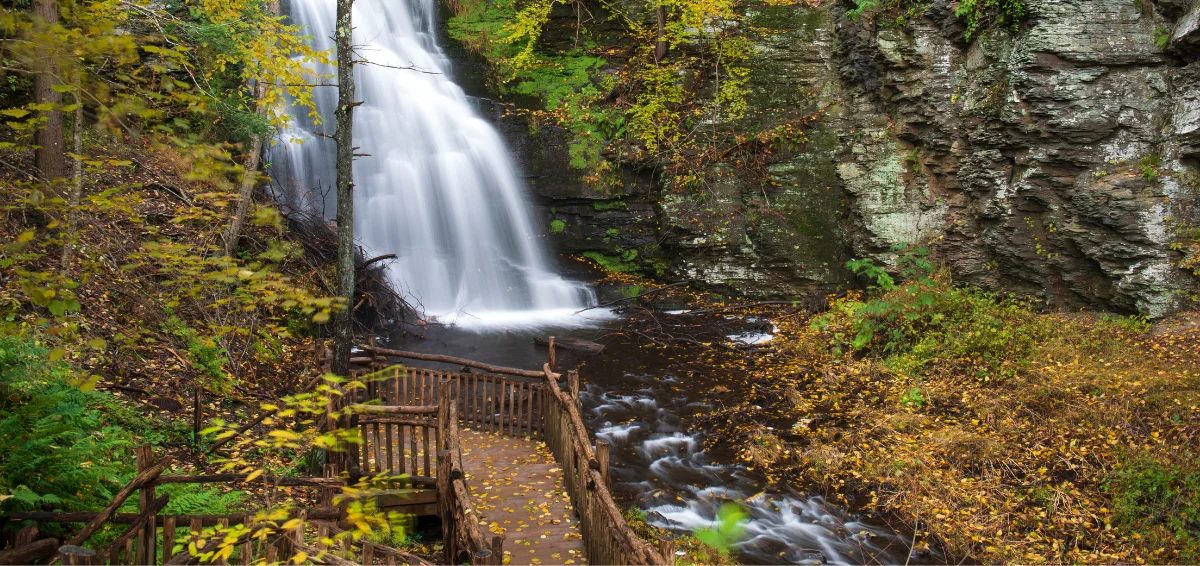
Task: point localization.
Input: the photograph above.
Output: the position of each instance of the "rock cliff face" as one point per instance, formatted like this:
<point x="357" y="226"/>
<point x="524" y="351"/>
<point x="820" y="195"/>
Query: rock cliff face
<point x="1055" y="160"/>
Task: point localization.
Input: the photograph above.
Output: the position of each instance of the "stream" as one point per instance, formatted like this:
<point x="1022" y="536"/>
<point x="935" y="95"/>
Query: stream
<point x="641" y="399"/>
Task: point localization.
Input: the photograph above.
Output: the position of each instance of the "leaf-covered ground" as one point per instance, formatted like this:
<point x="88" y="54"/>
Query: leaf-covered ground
<point x="996" y="433"/>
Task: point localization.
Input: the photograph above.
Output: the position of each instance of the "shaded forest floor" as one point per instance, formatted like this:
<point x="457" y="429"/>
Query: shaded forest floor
<point x="994" y="431"/>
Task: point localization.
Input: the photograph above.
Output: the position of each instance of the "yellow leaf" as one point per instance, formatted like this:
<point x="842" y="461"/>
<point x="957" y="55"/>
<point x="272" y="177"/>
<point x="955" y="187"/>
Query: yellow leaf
<point x="253" y="475"/>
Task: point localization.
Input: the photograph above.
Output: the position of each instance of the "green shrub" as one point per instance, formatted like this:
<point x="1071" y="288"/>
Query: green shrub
<point x="205" y="354"/>
<point x="557" y="226"/>
<point x="1159" y="501"/>
<point x="927" y="319"/>
<point x="58" y="450"/>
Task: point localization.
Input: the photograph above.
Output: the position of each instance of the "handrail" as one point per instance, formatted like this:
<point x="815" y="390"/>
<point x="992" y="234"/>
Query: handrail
<point x="460" y="521"/>
<point x="452" y="360"/>
<point x="600" y="519"/>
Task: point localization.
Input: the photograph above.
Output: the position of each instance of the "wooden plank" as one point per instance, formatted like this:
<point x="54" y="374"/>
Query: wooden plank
<point x="473" y="409"/>
<point x="400" y="433"/>
<point x="527" y="418"/>
<point x="390" y="450"/>
<point x="363" y="409"/>
<point x="378" y="449"/>
<point x="453" y="360"/>
<point x="234" y="478"/>
<point x="519" y="414"/>
<point x="426" y="446"/>
<point x="248" y="546"/>
<point x="168" y="548"/>
<point x="404" y="388"/>
<point x="412" y="448"/>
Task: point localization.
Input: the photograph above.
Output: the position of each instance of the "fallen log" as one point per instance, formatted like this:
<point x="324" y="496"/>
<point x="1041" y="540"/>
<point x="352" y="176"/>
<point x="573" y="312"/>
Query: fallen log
<point x="571" y="344"/>
<point x="32" y="553"/>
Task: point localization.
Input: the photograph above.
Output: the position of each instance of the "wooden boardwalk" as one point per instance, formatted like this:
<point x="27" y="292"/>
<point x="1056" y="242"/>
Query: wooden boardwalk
<point x="518" y="490"/>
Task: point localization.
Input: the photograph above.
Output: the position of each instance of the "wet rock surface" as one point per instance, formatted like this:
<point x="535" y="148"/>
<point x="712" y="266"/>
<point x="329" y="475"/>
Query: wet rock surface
<point x="1055" y="160"/>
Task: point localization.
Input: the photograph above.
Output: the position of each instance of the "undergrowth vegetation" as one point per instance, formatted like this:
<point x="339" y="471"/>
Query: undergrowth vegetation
<point x="69" y="447"/>
<point x="996" y="432"/>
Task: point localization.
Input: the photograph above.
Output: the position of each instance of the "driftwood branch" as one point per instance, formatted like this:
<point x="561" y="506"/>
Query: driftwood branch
<point x="745" y="306"/>
<point x="376" y="259"/>
<point x="638" y="296"/>
<point x="571" y="344"/>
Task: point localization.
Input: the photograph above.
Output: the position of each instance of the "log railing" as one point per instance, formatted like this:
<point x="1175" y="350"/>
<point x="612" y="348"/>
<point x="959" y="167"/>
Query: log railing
<point x="606" y="536"/>
<point x="487" y="401"/>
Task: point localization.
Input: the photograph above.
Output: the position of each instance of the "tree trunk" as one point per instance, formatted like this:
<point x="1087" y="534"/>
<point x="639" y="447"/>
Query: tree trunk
<point x="249" y="178"/>
<point x="344" y="138"/>
<point x="76" y="188"/>
<point x="660" y="32"/>
<point x="250" y="166"/>
<point x="49" y="139"/>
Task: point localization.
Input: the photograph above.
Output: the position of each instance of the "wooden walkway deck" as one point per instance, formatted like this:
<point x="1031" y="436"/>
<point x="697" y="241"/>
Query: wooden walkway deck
<point x="519" y="493"/>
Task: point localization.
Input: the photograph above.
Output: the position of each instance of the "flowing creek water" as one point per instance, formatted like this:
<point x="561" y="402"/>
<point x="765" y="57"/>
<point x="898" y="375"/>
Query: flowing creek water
<point x="641" y="399"/>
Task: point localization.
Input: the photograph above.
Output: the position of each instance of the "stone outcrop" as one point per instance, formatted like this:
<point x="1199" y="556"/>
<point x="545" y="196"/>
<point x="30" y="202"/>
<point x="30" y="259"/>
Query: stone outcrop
<point x="1054" y="160"/>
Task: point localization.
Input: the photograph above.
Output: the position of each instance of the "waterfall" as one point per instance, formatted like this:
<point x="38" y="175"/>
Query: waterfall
<point x="439" y="189"/>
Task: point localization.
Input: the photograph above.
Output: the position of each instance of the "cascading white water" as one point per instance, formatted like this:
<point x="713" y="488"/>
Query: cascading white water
<point x="439" y="188"/>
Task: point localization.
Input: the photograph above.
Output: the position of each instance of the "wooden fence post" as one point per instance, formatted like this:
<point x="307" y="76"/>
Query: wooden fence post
<point x="445" y="499"/>
<point x="497" y="550"/>
<point x="443" y="414"/>
<point x="75" y="555"/>
<point x="602" y="450"/>
<point x="573" y="382"/>
<point x="667" y="547"/>
<point x="168" y="539"/>
<point x="551" y="342"/>
<point x="148" y="537"/>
